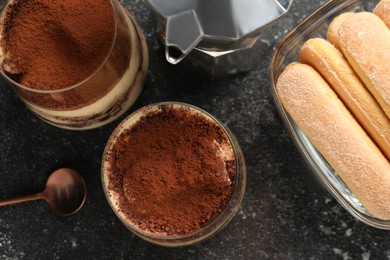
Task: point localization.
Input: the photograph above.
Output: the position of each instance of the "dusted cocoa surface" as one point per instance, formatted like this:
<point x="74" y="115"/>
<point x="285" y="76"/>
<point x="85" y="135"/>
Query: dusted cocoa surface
<point x="284" y="214"/>
<point x="55" y="44"/>
<point x="169" y="173"/>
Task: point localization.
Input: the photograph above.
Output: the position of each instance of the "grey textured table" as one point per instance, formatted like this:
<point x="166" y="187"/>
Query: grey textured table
<point x="284" y="215"/>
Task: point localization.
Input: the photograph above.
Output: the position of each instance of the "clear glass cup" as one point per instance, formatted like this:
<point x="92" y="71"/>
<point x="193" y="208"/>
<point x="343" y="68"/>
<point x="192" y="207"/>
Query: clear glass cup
<point x="219" y="222"/>
<point x="287" y="51"/>
<point x="106" y="94"/>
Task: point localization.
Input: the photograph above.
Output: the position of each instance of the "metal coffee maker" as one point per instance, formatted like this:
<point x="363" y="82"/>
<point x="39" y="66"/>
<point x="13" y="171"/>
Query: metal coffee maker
<point x="214" y="38"/>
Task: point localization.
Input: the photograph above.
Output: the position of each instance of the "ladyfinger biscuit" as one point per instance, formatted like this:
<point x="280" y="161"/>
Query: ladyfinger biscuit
<point x="335" y="69"/>
<point x="365" y="42"/>
<point x="325" y="120"/>
<point x="382" y="9"/>
<point x="333" y="29"/>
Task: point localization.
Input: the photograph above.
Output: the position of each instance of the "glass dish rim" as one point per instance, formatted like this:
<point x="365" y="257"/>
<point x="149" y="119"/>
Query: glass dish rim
<point x="300" y="31"/>
<point x="221" y="220"/>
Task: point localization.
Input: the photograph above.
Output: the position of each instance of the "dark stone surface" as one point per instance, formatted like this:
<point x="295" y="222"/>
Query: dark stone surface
<point x="284" y="215"/>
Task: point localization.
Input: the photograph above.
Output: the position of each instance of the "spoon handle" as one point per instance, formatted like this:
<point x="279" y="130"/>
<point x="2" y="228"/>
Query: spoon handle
<point x="10" y="201"/>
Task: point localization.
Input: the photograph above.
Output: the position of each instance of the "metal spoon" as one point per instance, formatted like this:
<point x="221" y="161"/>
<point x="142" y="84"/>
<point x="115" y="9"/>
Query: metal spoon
<point x="65" y="192"/>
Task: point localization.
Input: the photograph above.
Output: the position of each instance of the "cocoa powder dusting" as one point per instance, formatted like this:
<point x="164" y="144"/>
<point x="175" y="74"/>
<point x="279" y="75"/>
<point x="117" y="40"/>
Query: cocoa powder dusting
<point x="54" y="44"/>
<point x="169" y="172"/>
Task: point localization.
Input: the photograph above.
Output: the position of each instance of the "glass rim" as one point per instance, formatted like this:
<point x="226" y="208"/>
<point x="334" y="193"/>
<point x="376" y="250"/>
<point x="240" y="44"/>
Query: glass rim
<point x="213" y="226"/>
<point x="13" y="82"/>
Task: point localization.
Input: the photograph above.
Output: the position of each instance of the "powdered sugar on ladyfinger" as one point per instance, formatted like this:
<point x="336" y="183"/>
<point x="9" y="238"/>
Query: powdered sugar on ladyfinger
<point x="337" y="135"/>
<point x="365" y="42"/>
<point x="382" y="10"/>
<point x="335" y="69"/>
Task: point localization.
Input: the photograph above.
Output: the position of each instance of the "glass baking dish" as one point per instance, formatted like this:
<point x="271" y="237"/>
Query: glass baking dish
<point x="287" y="51"/>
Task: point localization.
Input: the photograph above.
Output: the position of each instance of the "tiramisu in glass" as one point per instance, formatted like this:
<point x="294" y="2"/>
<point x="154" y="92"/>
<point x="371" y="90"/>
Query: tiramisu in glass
<point x="173" y="174"/>
<point x="76" y="64"/>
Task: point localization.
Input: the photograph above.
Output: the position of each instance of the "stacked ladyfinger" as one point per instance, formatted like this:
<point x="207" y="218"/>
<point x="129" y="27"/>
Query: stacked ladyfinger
<point x="339" y="95"/>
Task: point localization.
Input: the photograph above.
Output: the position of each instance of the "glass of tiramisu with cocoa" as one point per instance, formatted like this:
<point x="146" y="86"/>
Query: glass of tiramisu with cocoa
<point x="173" y="174"/>
<point x="76" y="64"/>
